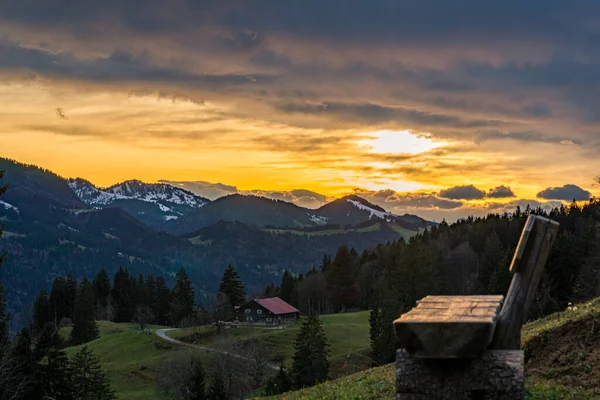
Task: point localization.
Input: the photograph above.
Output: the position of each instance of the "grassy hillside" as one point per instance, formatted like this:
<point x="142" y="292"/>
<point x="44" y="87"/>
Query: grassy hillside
<point x="562" y="353"/>
<point x="404" y="232"/>
<point x="348" y="335"/>
<point x="130" y="359"/>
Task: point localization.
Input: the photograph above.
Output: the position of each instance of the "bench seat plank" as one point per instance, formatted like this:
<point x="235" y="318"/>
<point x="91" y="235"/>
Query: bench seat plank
<point x="449" y="326"/>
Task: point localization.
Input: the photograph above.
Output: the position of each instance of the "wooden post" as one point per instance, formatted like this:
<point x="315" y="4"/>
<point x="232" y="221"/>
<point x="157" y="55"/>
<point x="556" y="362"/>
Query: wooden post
<point x="527" y="266"/>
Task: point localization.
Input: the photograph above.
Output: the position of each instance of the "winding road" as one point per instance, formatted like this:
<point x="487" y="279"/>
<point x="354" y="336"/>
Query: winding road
<point x="162" y="333"/>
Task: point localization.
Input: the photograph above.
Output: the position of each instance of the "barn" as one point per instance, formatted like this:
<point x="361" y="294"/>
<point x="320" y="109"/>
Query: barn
<point x="267" y="311"/>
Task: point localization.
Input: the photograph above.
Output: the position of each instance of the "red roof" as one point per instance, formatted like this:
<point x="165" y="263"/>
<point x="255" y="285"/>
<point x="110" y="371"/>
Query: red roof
<point x="277" y="306"/>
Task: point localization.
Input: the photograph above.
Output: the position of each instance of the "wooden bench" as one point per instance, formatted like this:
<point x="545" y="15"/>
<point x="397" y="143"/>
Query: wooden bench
<point x="468" y="347"/>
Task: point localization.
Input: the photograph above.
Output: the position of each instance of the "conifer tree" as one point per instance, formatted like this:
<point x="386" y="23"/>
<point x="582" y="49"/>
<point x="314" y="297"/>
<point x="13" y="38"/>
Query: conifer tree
<point x="58" y="299"/>
<point x="232" y="286"/>
<point x="54" y="372"/>
<point x="341" y="279"/>
<point x="289" y="289"/>
<point x="42" y="311"/>
<point x="70" y="295"/>
<point x="381" y="336"/>
<point x="310" y="364"/>
<point x="162" y="302"/>
<point x="102" y="288"/>
<point x="183" y="300"/>
<point x="85" y="328"/>
<point x="88" y="381"/>
<point x="216" y="391"/>
<point x="122" y="294"/>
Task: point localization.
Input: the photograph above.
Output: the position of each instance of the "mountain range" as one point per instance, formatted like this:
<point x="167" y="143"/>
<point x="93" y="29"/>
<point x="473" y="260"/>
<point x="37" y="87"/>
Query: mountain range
<point x="54" y="226"/>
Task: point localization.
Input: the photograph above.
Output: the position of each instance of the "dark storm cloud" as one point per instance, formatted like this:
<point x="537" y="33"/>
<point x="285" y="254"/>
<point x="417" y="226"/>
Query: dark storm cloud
<point x="373" y="113"/>
<point x="453" y="69"/>
<point x="465" y="192"/>
<point x="500" y="192"/>
<point x="566" y="192"/>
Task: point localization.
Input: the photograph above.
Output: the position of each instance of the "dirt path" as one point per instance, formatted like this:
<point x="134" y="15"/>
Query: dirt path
<point x="162" y="333"/>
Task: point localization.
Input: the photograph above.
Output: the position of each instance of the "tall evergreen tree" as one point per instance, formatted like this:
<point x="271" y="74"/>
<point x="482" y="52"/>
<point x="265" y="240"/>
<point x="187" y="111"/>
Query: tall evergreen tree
<point x="310" y="364"/>
<point x="232" y="286"/>
<point x="381" y="336"/>
<point x="162" y="302"/>
<point x="289" y="289"/>
<point x="102" y="288"/>
<point x="42" y="311"/>
<point x="58" y="299"/>
<point x="85" y="328"/>
<point x="123" y="296"/>
<point x="53" y="371"/>
<point x="341" y="279"/>
<point x="70" y="294"/>
<point x="88" y="381"/>
<point x="183" y="300"/>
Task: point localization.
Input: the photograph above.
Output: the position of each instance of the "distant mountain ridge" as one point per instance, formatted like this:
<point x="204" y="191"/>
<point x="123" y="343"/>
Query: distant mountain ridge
<point x="151" y="203"/>
<point x="50" y="231"/>
<point x="179" y="211"/>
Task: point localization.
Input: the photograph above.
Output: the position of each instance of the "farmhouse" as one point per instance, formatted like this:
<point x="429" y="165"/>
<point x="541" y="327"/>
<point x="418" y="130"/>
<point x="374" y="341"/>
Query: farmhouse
<point x="267" y="311"/>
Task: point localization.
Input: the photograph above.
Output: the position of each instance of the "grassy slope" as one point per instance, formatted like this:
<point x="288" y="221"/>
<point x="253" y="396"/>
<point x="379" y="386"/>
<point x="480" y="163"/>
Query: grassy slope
<point x="348" y="335"/>
<point x="542" y="382"/>
<point x="405" y="233"/>
<point x="130" y="359"/>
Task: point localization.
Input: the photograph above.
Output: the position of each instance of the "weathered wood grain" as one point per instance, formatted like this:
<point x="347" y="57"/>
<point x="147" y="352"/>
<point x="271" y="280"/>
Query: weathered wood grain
<point x="527" y="266"/>
<point x="449" y="326"/>
<point x="495" y="375"/>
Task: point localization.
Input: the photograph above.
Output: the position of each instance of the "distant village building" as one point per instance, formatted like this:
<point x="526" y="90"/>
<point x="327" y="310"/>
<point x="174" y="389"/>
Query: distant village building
<point x="267" y="311"/>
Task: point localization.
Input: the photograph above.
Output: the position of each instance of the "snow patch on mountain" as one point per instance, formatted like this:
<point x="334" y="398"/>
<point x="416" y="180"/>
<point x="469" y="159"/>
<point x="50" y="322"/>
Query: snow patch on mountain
<point x="317" y="219"/>
<point x="158" y="193"/>
<point x="8" y="206"/>
<point x="374" y="213"/>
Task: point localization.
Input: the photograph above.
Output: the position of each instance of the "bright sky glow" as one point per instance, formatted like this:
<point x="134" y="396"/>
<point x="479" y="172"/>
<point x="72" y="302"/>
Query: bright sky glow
<point x="384" y="142"/>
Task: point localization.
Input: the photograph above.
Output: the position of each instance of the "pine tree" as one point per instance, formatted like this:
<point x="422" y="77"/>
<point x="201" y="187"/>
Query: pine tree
<point x="162" y="301"/>
<point x="183" y="302"/>
<point x="122" y="295"/>
<point x="88" y="381"/>
<point x="58" y="300"/>
<point x="232" y="286"/>
<point x="310" y="364"/>
<point x="289" y="289"/>
<point x="42" y="311"/>
<point x="341" y="279"/>
<point x="216" y="391"/>
<point x="85" y="328"/>
<point x="70" y="295"/>
<point x="53" y="365"/>
<point x="102" y="288"/>
<point x="381" y="336"/>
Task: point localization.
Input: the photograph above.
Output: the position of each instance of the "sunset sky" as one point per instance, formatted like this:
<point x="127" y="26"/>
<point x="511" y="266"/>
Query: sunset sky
<point x="434" y="107"/>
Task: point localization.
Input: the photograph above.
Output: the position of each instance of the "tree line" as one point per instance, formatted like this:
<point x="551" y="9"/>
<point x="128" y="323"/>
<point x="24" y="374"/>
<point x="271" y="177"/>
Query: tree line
<point x="470" y="256"/>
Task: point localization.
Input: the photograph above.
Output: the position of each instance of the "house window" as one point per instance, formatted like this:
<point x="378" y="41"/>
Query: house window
<point x="259" y="311"/>
<point x="247" y="311"/>
<point x="249" y="319"/>
<point x="269" y="319"/>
